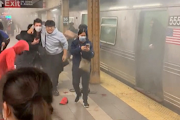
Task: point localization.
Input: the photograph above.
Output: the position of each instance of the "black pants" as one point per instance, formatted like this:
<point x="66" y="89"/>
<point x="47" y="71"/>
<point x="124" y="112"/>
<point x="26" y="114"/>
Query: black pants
<point x="53" y="67"/>
<point x="77" y="74"/>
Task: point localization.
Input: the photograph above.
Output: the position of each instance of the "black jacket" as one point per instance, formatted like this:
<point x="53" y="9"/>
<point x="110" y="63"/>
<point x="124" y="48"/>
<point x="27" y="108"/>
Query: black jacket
<point x="1" y="26"/>
<point x="30" y="56"/>
<point x="76" y="52"/>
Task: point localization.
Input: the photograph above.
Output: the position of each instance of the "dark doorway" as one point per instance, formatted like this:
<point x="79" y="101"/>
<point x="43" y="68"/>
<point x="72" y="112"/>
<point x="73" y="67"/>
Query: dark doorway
<point x="150" y="53"/>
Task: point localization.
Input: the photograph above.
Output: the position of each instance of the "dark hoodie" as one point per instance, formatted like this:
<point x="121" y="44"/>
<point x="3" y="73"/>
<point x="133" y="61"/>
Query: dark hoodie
<point x="7" y="57"/>
<point x="77" y="53"/>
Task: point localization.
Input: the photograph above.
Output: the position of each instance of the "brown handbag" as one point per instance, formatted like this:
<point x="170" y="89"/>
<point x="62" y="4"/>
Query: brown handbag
<point x="84" y="65"/>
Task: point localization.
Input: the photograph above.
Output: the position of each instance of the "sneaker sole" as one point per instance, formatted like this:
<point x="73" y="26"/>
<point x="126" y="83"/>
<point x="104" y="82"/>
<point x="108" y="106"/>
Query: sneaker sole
<point x="86" y="106"/>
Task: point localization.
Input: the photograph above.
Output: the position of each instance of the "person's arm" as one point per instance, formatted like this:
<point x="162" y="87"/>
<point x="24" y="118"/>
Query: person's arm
<point x="5" y="38"/>
<point x="64" y="43"/>
<point x="29" y="38"/>
<point x="10" y="60"/>
<point x="18" y="37"/>
<point x="89" y="53"/>
<point x="75" y="49"/>
<point x="6" y="42"/>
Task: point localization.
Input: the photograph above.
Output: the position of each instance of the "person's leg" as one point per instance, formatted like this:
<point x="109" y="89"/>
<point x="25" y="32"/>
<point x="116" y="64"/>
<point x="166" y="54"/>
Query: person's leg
<point x="76" y="82"/>
<point x="56" y="65"/>
<point x="55" y="78"/>
<point x="85" y="85"/>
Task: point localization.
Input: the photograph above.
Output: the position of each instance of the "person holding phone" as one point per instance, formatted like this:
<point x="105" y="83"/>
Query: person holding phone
<point x="81" y="48"/>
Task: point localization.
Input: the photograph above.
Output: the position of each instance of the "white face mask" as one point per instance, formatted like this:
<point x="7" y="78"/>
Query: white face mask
<point x="38" y="29"/>
<point x="82" y="38"/>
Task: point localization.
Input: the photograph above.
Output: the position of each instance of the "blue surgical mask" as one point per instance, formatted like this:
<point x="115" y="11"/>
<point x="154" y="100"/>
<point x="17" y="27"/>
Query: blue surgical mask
<point x="82" y="38"/>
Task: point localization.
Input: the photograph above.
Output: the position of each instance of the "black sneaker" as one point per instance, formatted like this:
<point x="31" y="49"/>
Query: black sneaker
<point x="86" y="105"/>
<point x="55" y="93"/>
<point x="77" y="98"/>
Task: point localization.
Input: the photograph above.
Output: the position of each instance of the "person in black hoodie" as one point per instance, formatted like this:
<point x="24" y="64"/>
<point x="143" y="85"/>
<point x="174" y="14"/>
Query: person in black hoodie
<point x="20" y="59"/>
<point x="32" y="57"/>
<point x="79" y="49"/>
<point x="23" y="33"/>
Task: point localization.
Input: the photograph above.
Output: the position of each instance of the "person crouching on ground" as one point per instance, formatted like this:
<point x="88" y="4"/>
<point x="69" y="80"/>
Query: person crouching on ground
<point x="8" y="56"/>
<point x="81" y="48"/>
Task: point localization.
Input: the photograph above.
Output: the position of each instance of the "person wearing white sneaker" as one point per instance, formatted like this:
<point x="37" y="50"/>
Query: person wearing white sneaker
<point x="82" y="50"/>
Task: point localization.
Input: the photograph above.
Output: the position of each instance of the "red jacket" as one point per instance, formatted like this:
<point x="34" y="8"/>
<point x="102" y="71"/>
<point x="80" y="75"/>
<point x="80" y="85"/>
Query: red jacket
<point x="8" y="56"/>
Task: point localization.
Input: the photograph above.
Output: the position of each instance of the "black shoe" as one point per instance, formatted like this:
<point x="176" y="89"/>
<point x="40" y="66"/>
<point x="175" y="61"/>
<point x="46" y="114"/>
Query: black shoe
<point x="77" y="98"/>
<point x="55" y="93"/>
<point x="86" y="105"/>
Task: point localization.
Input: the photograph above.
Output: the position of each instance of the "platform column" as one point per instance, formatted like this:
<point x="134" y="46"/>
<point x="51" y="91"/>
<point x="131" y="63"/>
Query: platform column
<point x="49" y="15"/>
<point x="94" y="36"/>
<point x="64" y="15"/>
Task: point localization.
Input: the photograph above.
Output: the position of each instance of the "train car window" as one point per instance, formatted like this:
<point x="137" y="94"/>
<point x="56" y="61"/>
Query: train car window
<point x="109" y="21"/>
<point x="108" y="30"/>
<point x="84" y="19"/>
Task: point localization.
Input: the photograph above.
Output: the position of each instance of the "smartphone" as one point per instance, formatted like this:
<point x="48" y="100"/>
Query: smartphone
<point x="87" y="44"/>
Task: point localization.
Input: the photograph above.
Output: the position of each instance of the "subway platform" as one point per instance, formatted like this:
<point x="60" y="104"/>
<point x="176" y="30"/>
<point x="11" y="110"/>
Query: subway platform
<point x="113" y="101"/>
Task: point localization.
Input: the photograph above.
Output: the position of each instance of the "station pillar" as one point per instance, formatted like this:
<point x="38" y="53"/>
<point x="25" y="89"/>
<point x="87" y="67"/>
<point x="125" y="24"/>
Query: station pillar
<point x="94" y="36"/>
<point x="64" y="15"/>
<point x="49" y="15"/>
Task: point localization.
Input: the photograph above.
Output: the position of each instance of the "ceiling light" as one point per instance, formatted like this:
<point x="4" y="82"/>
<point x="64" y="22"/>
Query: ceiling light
<point x="147" y="5"/>
<point x="118" y="7"/>
<point x="54" y="10"/>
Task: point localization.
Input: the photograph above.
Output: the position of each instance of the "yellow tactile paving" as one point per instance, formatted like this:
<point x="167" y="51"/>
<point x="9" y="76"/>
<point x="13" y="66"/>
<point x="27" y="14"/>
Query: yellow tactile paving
<point x="142" y="104"/>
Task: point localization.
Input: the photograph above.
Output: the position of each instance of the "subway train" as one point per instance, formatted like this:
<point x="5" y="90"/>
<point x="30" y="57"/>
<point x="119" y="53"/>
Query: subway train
<point x="139" y="43"/>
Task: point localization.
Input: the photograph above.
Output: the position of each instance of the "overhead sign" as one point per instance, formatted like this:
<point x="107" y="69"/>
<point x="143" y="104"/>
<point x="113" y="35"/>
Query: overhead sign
<point x="65" y="20"/>
<point x="174" y="21"/>
<point x="21" y="3"/>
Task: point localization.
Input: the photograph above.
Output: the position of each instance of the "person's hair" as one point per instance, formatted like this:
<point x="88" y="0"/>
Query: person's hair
<point x="50" y="23"/>
<point x="82" y="26"/>
<point x="28" y="91"/>
<point x="29" y="26"/>
<point x="37" y="20"/>
<point x="85" y="27"/>
<point x="81" y="31"/>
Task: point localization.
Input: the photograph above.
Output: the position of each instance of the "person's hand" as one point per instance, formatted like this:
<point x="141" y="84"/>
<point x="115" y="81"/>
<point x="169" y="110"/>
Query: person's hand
<point x="64" y="57"/>
<point x="36" y="41"/>
<point x="87" y="49"/>
<point x="83" y="48"/>
<point x="3" y="44"/>
<point x="31" y="30"/>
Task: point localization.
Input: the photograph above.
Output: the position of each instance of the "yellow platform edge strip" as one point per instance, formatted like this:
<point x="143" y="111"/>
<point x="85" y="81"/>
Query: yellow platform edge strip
<point x="139" y="102"/>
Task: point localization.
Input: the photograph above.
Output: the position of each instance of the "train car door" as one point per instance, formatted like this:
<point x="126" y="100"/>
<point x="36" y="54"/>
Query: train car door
<point x="150" y="52"/>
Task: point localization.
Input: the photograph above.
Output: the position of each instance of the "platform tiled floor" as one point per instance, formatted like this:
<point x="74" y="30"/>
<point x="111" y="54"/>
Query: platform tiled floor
<point x="103" y="105"/>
